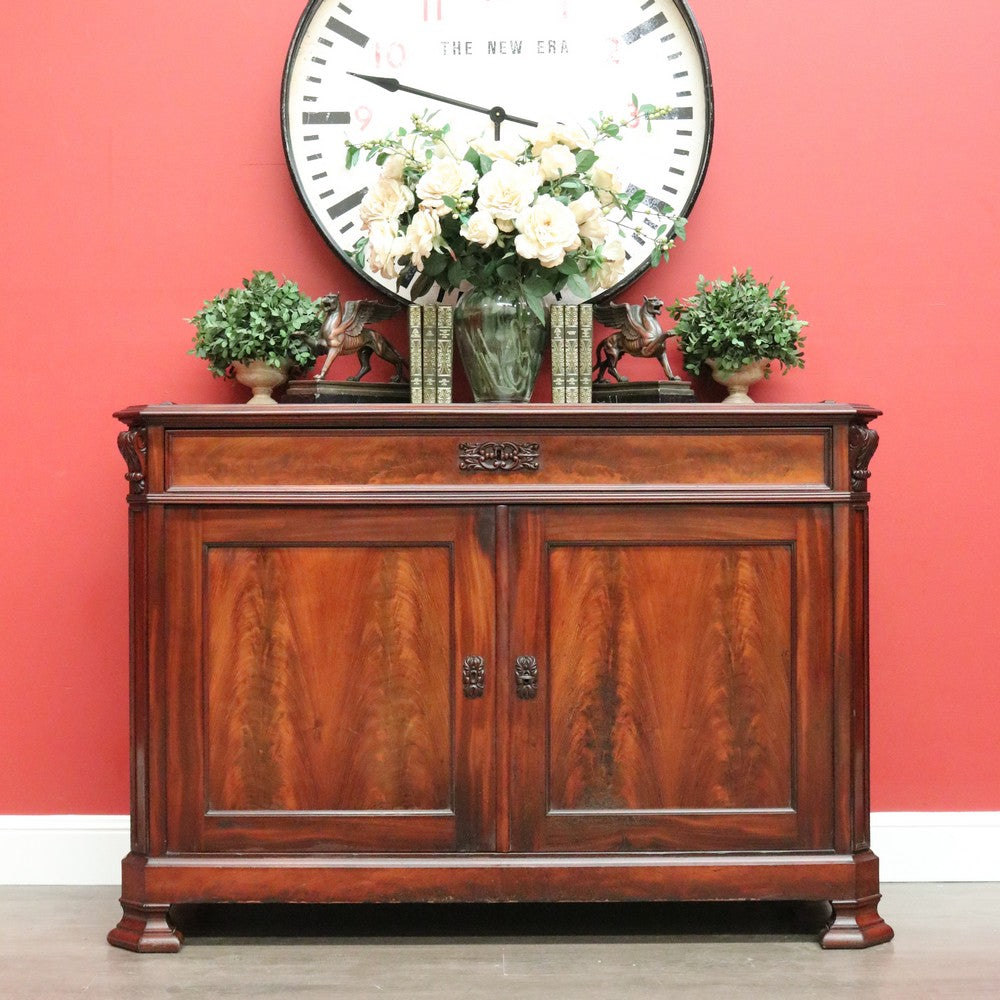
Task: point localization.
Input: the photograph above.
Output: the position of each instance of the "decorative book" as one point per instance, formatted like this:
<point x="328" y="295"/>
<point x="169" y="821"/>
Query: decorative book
<point x="430" y="354"/>
<point x="445" y="350"/>
<point x="416" y="319"/>
<point x="586" y="352"/>
<point x="557" y="331"/>
<point x="571" y="351"/>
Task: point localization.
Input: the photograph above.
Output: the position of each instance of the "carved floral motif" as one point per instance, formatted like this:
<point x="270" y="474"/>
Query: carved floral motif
<point x="499" y="456"/>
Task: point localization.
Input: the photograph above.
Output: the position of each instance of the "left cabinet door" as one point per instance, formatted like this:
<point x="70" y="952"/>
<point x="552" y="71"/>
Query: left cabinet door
<point x="315" y="693"/>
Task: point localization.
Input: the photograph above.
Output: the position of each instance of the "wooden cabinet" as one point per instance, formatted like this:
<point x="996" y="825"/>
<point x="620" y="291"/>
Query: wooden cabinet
<point x="498" y="653"/>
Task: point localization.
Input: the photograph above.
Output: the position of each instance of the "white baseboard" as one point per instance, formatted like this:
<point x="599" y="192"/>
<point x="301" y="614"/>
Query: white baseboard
<point x="87" y="850"/>
<point x="62" y="850"/>
<point x="937" y="847"/>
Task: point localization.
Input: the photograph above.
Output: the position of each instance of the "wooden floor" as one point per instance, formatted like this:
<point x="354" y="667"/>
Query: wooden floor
<point x="947" y="945"/>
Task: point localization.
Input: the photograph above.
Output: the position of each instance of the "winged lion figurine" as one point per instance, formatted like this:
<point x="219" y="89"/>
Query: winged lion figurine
<point x="638" y="334"/>
<point x="344" y="332"/>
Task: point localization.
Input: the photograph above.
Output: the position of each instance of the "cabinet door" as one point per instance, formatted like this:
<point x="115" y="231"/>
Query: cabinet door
<point x="314" y="679"/>
<point x="683" y="662"/>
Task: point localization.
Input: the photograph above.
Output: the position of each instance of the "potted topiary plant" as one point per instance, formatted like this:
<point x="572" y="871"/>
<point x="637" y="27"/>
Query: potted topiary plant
<point x="258" y="333"/>
<point x="738" y="328"/>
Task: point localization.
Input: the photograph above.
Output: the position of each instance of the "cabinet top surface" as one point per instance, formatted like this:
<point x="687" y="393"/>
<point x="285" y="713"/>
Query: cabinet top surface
<point x="689" y="415"/>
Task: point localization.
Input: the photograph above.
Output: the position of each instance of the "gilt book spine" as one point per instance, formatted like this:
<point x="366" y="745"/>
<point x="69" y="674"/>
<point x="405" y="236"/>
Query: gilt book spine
<point x="572" y="351"/>
<point x="586" y="353"/>
<point x="557" y="330"/>
<point x="416" y="320"/>
<point x="429" y="373"/>
<point x="445" y="342"/>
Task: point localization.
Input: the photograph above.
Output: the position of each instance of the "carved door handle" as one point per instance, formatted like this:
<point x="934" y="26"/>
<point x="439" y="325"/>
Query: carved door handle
<point x="526" y="677"/>
<point x="473" y="677"/>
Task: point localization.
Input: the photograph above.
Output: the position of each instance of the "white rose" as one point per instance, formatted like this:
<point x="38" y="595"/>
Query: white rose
<point x="506" y="190"/>
<point x="557" y="161"/>
<point x="445" y="178"/>
<point x="589" y="217"/>
<point x="481" y="229"/>
<point x="612" y="270"/>
<point x="567" y="135"/>
<point x="392" y="169"/>
<point x="383" y="246"/>
<point x="385" y="201"/>
<point x="422" y="237"/>
<point x="607" y="182"/>
<point x="508" y="148"/>
<point x="547" y="231"/>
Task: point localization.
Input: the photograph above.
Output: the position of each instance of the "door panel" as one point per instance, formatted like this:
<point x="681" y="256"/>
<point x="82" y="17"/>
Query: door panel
<point x="295" y="685"/>
<point x="684" y="666"/>
<point x="320" y="702"/>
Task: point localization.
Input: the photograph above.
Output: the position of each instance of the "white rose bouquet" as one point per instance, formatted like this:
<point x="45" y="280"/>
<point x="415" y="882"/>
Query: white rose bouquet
<point x="537" y="213"/>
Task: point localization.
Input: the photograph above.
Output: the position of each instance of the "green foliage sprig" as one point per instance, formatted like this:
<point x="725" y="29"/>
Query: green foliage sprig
<point x="738" y="322"/>
<point x="260" y="320"/>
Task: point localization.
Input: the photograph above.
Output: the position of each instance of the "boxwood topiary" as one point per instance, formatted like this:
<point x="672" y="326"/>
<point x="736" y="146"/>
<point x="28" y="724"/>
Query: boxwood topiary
<point x="261" y="320"/>
<point x="738" y="322"/>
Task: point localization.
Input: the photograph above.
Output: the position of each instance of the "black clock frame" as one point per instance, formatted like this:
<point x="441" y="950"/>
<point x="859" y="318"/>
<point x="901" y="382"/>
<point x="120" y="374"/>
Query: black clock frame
<point x="684" y="212"/>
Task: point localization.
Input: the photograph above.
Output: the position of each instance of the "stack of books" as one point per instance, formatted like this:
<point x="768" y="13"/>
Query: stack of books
<point x="431" y="353"/>
<point x="571" y="331"/>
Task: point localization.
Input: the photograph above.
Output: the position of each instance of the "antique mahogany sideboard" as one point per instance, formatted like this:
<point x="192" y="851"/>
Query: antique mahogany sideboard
<point x="485" y="653"/>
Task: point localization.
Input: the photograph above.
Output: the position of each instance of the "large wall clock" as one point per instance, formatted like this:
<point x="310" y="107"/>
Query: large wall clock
<point x="360" y="68"/>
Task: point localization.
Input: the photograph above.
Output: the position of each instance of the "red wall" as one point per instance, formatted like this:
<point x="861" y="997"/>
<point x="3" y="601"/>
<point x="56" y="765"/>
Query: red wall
<point x="855" y="157"/>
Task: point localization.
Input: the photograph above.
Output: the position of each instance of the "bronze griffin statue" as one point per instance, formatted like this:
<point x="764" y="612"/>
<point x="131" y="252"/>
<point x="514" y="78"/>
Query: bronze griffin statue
<point x="344" y="332"/>
<point x="638" y="334"/>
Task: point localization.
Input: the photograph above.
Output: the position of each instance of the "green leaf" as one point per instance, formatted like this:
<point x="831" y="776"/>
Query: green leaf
<point x="456" y="273"/>
<point x="436" y="264"/>
<point x="539" y="285"/>
<point x="534" y="303"/>
<point x="578" y="286"/>
<point x="422" y="285"/>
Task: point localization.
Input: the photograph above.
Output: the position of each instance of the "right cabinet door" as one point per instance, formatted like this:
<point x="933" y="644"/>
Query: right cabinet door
<point x="674" y="678"/>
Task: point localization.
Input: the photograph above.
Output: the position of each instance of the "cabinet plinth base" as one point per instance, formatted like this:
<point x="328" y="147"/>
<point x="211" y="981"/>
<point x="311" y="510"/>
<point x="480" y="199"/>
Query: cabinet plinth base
<point x="856" y="924"/>
<point x="145" y="928"/>
<point x="485" y="878"/>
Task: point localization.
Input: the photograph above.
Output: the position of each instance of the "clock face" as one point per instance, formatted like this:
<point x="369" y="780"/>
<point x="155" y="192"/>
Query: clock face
<point x="541" y="61"/>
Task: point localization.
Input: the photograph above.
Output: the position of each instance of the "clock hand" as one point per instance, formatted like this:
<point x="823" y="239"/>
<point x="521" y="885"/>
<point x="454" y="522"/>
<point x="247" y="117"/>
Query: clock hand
<point x="496" y="114"/>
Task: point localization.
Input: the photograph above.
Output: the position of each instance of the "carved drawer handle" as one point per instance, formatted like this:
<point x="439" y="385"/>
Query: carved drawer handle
<point x="526" y="677"/>
<point x="499" y="456"/>
<point x="473" y="677"/>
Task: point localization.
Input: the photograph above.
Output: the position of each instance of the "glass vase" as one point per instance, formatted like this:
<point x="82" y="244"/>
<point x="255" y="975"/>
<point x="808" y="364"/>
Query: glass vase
<point x="501" y="342"/>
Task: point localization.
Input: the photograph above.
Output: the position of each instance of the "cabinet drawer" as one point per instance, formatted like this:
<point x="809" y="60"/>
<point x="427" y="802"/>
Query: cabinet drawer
<point x="303" y="458"/>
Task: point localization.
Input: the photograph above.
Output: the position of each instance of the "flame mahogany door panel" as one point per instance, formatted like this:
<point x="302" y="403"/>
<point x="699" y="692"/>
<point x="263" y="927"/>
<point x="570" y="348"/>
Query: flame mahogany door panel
<point x="683" y="678"/>
<point x="314" y="679"/>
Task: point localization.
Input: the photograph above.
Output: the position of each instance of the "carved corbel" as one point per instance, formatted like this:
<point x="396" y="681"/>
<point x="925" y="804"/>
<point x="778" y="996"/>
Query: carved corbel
<point x="132" y="445"/>
<point x="862" y="442"/>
